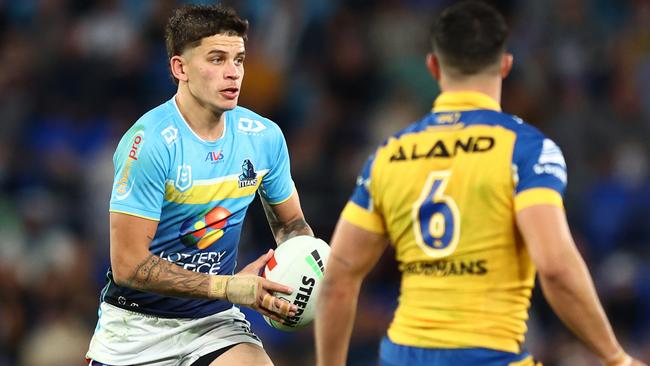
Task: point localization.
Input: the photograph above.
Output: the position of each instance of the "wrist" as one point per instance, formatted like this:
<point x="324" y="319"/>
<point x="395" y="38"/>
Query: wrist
<point x="619" y="359"/>
<point x="218" y="287"/>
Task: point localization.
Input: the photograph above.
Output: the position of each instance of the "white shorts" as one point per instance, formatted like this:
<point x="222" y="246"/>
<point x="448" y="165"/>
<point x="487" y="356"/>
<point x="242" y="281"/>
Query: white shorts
<point x="124" y="337"/>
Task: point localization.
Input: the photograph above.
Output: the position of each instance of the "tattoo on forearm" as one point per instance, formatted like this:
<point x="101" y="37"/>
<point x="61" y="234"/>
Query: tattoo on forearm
<point x="284" y="231"/>
<point x="155" y="274"/>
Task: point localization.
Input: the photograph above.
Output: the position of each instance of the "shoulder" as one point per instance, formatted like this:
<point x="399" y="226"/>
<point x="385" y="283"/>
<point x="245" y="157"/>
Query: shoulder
<point x="154" y="130"/>
<point x="522" y="129"/>
<point x="497" y="118"/>
<point x="249" y="123"/>
<point x="158" y="119"/>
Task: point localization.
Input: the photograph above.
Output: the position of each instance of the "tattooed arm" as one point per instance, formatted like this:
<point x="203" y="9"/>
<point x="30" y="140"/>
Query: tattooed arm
<point x="286" y="219"/>
<point x="136" y="267"/>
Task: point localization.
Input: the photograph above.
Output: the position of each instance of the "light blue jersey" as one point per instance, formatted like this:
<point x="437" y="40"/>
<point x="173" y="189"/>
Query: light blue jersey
<point x="198" y="191"/>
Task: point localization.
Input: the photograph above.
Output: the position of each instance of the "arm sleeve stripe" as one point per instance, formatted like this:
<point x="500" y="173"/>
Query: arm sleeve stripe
<point x="537" y="196"/>
<point x="134" y="214"/>
<point x="275" y="203"/>
<point x="363" y="218"/>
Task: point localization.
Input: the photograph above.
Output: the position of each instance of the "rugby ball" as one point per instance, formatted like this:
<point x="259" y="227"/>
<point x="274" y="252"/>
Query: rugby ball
<point x="300" y="264"/>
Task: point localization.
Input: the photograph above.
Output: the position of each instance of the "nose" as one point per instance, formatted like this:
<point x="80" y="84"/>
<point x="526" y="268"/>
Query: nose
<point x="231" y="71"/>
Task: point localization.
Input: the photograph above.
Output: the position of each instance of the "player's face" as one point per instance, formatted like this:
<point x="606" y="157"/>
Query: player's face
<point x="215" y="70"/>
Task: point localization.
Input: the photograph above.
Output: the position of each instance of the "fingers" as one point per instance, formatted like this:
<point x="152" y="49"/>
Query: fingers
<point x="271" y="286"/>
<point x="255" y="266"/>
<point x="270" y="315"/>
<point x="279" y="306"/>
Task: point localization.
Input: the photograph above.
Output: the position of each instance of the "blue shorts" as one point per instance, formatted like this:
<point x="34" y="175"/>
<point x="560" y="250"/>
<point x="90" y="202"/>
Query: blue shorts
<point x="392" y="354"/>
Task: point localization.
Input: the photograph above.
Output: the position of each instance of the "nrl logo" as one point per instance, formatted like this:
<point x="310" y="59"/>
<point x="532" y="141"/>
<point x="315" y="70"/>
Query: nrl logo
<point x="248" y="177"/>
<point x="183" y="177"/>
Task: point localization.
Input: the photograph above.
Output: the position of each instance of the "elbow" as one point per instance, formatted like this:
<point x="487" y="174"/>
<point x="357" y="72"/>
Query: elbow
<point x="552" y="273"/>
<point x="560" y="271"/>
<point x="559" y="264"/>
<point x="125" y="266"/>
<point x="120" y="275"/>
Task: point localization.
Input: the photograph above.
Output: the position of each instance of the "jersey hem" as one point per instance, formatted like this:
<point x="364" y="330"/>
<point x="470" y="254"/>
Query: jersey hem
<point x="170" y="315"/>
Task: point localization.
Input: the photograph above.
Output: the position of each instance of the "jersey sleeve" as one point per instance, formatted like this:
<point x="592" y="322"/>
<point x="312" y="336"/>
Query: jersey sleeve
<point x="540" y="173"/>
<point x="141" y="163"/>
<point x="360" y="209"/>
<point x="277" y="185"/>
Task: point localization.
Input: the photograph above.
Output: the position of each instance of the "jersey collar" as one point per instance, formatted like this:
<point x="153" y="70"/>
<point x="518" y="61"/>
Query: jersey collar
<point x="464" y="101"/>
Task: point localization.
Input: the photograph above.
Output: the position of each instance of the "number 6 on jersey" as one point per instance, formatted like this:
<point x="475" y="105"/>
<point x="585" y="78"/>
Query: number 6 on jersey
<point x="436" y="218"/>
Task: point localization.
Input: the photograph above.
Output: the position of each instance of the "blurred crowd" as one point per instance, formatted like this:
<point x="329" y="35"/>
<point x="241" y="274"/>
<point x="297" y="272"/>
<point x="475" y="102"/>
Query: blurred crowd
<point x="338" y="77"/>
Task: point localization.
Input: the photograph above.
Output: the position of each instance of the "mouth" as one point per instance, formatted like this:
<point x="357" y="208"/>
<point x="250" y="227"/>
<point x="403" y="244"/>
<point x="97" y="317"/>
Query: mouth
<point x="229" y="93"/>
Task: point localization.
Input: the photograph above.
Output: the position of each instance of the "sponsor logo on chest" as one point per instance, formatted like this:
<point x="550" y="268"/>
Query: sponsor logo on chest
<point x="214" y="157"/>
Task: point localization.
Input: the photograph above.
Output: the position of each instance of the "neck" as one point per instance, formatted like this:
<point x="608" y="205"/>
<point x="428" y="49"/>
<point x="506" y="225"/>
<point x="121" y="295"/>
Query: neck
<point x="205" y="122"/>
<point x="483" y="83"/>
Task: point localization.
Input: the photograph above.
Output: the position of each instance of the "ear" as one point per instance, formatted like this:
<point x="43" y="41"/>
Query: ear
<point x="506" y="64"/>
<point x="433" y="65"/>
<point x="177" y="66"/>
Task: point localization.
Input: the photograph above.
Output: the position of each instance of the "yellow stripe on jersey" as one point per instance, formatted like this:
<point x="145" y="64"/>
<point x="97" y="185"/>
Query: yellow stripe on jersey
<point x="284" y="200"/>
<point x="136" y="215"/>
<point x="362" y="218"/>
<point x="537" y="196"/>
<point x="207" y="191"/>
<point x="464" y="101"/>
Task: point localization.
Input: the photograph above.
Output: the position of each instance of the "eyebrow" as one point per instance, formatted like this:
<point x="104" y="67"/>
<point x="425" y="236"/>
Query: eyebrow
<point x="220" y="52"/>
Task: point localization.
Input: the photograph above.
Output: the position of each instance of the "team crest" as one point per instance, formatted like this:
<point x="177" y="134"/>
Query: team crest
<point x="183" y="177"/>
<point x="248" y="177"/>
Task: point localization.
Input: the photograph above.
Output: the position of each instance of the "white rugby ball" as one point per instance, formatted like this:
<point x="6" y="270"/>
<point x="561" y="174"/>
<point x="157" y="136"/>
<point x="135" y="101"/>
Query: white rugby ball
<point x="300" y="264"/>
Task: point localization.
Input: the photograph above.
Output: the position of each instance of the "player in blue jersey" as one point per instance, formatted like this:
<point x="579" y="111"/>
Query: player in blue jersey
<point x="479" y="211"/>
<point x="185" y="174"/>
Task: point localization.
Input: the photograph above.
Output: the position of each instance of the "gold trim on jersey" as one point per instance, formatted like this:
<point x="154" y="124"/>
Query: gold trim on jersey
<point x="363" y="218"/>
<point x="537" y="196"/>
<point x="206" y="191"/>
<point x="284" y="200"/>
<point x="464" y="101"/>
<point x="136" y="215"/>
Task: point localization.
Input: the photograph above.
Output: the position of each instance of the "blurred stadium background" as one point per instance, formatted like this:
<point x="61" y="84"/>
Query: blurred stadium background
<point x="337" y="76"/>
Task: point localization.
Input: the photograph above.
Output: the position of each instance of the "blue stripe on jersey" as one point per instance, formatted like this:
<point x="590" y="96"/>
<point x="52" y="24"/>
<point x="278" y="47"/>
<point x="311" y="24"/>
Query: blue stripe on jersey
<point x="393" y="354"/>
<point x="361" y="195"/>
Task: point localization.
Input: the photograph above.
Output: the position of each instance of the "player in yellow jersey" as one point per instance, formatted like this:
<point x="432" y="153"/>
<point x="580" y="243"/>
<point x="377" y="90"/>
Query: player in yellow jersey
<point x="471" y="199"/>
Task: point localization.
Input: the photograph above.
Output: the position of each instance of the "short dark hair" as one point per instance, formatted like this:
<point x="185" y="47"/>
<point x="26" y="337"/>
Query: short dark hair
<point x="469" y="36"/>
<point x="191" y="23"/>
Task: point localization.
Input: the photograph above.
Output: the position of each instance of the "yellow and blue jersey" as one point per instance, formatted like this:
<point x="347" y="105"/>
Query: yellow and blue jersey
<point x="445" y="190"/>
<point x="199" y="192"/>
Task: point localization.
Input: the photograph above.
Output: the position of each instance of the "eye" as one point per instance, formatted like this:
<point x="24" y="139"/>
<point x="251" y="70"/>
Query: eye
<point x="217" y="60"/>
<point x="239" y="61"/>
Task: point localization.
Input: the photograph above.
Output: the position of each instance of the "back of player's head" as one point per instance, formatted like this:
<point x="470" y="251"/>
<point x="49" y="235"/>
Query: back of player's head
<point x="469" y="37"/>
<point x="191" y="23"/>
